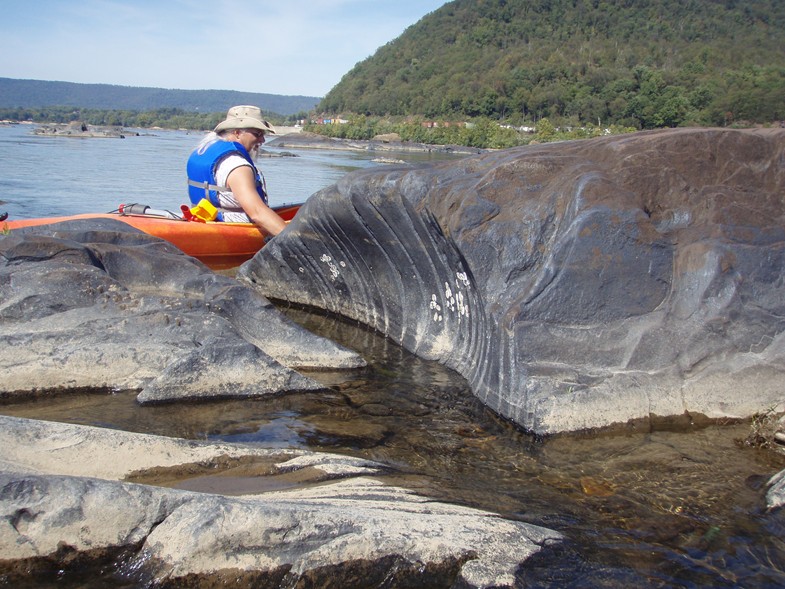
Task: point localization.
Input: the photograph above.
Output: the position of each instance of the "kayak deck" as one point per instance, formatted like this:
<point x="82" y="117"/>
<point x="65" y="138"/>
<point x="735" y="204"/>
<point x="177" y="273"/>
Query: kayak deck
<point x="218" y="245"/>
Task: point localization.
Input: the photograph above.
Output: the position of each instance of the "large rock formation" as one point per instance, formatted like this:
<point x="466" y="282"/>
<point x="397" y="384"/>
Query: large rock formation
<point x="63" y="503"/>
<point x="86" y="304"/>
<point x="99" y="304"/>
<point x="575" y="285"/>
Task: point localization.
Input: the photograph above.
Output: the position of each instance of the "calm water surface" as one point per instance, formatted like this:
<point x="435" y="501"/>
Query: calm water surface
<point x="639" y="508"/>
<point x="43" y="176"/>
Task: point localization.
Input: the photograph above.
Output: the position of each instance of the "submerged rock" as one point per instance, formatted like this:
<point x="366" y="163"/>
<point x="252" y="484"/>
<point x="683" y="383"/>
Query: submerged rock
<point x="60" y="506"/>
<point x="97" y="304"/>
<point x="575" y="285"/>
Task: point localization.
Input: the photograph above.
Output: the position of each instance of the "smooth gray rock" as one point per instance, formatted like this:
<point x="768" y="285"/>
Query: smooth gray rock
<point x="575" y="285"/>
<point x="223" y="369"/>
<point x="60" y="498"/>
<point x="99" y="304"/>
<point x="44" y="447"/>
<point x="358" y="531"/>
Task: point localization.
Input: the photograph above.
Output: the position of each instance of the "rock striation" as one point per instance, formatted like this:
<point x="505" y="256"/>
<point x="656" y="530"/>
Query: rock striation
<point x="575" y="285"/>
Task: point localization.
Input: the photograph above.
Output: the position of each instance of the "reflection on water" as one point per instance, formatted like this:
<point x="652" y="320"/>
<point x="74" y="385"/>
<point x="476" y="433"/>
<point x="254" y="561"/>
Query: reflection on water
<point x="638" y="508"/>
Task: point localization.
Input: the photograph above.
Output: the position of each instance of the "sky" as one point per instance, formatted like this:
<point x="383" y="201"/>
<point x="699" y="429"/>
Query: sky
<point x="289" y="47"/>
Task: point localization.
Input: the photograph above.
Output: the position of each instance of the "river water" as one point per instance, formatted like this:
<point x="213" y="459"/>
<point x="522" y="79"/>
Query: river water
<point x="45" y="175"/>
<point x="676" y="505"/>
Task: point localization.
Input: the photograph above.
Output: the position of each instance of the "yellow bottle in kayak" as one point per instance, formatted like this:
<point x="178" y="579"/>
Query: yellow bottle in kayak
<point x="204" y="210"/>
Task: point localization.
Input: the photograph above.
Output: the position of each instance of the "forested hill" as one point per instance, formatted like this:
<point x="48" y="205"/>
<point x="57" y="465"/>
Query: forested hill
<point x="35" y="94"/>
<point x="646" y="63"/>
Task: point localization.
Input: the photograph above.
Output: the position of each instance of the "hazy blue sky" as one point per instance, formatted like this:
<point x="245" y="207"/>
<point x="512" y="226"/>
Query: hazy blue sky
<point x="297" y="47"/>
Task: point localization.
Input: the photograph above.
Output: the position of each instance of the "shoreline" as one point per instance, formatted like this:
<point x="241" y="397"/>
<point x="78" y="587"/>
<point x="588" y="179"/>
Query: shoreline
<point x="306" y="140"/>
<point x="285" y="137"/>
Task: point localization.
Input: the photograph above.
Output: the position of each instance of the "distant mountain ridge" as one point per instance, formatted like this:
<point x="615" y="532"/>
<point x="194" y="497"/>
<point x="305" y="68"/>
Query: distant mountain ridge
<point x="16" y="93"/>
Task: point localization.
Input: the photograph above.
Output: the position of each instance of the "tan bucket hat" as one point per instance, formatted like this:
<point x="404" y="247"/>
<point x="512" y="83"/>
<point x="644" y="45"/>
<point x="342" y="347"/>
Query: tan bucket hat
<point x="244" y="117"/>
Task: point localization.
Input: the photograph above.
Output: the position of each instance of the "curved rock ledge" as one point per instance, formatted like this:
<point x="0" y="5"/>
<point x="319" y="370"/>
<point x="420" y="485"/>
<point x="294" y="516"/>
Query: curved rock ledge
<point x="575" y="285"/>
<point x="57" y="502"/>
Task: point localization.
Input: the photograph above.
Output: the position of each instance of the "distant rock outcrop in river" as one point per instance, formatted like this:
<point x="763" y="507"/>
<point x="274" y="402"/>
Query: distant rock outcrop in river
<point x="79" y="129"/>
<point x="575" y="285"/>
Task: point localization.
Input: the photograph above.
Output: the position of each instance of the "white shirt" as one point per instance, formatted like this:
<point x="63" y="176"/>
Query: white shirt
<point x="225" y="198"/>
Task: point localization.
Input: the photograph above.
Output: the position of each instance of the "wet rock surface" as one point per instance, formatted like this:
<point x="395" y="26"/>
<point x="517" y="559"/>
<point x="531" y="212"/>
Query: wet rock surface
<point x="575" y="285"/>
<point x="356" y="531"/>
<point x="94" y="304"/>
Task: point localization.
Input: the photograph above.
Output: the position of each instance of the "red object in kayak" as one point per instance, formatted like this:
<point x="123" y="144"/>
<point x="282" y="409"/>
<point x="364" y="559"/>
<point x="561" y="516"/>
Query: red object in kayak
<point x="218" y="245"/>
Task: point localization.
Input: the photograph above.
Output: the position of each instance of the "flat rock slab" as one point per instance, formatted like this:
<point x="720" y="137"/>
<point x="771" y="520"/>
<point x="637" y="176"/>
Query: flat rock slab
<point x="57" y="504"/>
<point x="38" y="447"/>
<point x="575" y="285"/>
<point x="97" y="304"/>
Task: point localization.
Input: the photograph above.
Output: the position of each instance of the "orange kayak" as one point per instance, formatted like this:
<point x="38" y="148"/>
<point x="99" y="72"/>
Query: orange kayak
<point x="218" y="245"/>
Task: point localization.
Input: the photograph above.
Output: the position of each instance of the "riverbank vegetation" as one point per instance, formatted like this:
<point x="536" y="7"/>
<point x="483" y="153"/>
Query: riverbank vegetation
<point x="481" y="132"/>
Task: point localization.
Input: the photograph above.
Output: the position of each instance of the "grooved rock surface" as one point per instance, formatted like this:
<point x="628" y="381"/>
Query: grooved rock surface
<point x="575" y="285"/>
<point x="99" y="304"/>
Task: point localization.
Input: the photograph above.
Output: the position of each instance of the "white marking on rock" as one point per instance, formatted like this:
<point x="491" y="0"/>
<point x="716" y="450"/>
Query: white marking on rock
<point x="333" y="268"/>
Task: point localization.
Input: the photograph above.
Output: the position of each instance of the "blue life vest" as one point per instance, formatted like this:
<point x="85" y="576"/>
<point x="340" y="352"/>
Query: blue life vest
<point x="201" y="171"/>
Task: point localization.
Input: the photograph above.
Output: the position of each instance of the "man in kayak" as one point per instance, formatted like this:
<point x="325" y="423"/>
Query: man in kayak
<point x="221" y="169"/>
